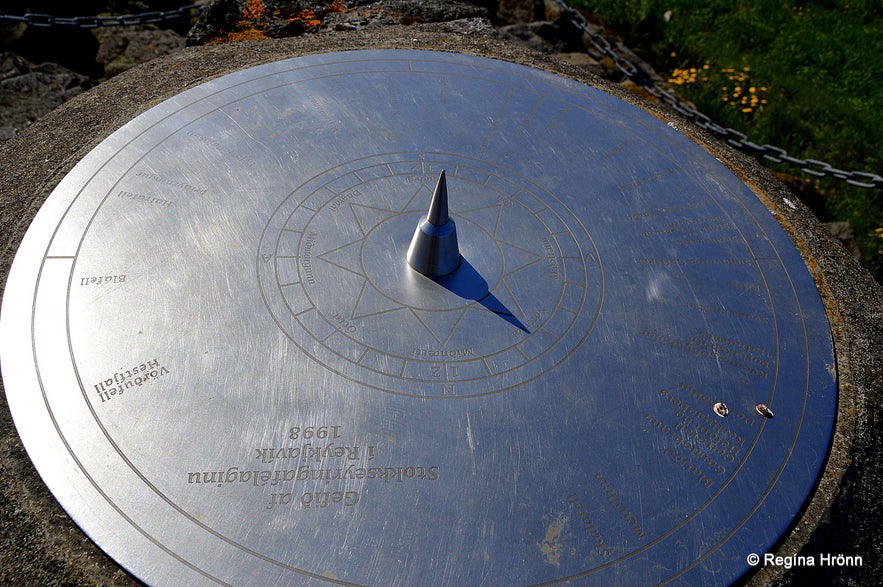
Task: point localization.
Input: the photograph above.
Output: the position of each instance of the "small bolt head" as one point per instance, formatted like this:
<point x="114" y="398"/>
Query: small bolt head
<point x="764" y="410"/>
<point x="721" y="409"/>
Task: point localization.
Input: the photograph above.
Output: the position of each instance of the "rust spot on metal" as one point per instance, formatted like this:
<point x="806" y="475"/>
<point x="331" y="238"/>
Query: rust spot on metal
<point x="551" y="546"/>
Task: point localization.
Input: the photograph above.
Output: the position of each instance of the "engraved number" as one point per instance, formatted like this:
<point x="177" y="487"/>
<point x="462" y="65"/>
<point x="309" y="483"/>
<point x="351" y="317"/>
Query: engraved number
<point x="308" y="432"/>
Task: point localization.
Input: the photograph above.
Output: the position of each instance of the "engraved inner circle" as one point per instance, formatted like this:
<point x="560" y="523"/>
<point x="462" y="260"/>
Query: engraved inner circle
<point x="526" y="294"/>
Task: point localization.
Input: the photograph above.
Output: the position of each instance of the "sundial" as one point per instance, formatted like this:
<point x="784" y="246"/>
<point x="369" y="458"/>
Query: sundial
<point x="416" y="318"/>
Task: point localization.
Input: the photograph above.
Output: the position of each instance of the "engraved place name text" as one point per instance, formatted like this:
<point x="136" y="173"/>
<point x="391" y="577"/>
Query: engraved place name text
<point x="619" y="506"/>
<point x="588" y="525"/>
<point x="692" y="225"/>
<point x="315" y="452"/>
<point x="343" y="199"/>
<point x="530" y="323"/>
<point x="551" y="259"/>
<point x="143" y="198"/>
<point x="671" y="210"/>
<point x="702" y="444"/>
<point x="129" y="379"/>
<point x="182" y="185"/>
<point x="306" y="260"/>
<point x="323" y="113"/>
<point x="343" y="324"/>
<point x="218" y="146"/>
<point x="102" y="279"/>
<point x="450" y="353"/>
<point x="748" y="358"/>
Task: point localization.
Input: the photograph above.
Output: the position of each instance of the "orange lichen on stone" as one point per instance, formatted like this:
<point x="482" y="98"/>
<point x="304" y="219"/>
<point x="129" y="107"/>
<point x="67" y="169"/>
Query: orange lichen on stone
<point x="250" y="34"/>
<point x="260" y="22"/>
<point x="311" y="19"/>
<point x="254" y="10"/>
<point x="308" y="18"/>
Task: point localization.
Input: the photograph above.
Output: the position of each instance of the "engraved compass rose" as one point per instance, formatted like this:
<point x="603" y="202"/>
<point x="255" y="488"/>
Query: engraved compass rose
<point x="524" y="293"/>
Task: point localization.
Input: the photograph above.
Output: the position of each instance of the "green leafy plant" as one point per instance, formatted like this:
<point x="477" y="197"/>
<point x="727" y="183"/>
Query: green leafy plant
<point x="802" y="76"/>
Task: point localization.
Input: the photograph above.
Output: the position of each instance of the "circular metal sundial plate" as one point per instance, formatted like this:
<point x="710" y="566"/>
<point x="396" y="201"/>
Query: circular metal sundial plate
<point x="226" y="371"/>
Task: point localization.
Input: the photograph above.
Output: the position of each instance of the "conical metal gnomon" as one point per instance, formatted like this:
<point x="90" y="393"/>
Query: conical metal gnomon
<point x="434" y="250"/>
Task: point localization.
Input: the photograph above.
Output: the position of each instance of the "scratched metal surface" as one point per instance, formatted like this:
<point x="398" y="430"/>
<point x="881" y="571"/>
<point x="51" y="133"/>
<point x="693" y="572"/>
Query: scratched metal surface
<point x="225" y="370"/>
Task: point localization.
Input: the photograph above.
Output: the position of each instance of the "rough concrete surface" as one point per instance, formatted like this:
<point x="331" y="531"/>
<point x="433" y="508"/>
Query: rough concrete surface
<point x="40" y="545"/>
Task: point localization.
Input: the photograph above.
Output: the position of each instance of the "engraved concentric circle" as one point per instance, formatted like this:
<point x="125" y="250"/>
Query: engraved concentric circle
<point x="333" y="272"/>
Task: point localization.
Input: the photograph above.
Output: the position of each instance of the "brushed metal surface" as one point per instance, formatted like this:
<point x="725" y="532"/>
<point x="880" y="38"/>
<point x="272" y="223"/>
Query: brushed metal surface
<point x="224" y="368"/>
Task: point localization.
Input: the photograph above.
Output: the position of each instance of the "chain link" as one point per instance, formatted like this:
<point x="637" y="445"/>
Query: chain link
<point x="94" y="22"/>
<point x="732" y="136"/>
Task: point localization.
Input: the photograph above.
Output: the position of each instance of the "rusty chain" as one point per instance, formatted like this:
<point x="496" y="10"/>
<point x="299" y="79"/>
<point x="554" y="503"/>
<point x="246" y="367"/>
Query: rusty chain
<point x="734" y="137"/>
<point x="93" y="22"/>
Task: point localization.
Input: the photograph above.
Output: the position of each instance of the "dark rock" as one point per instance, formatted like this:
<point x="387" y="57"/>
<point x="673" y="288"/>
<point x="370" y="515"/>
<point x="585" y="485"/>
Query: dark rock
<point x="543" y="36"/>
<point x="584" y="61"/>
<point x="71" y="47"/>
<point x="469" y="26"/>
<point x="218" y="19"/>
<point x="235" y="19"/>
<point x="845" y="233"/>
<point x="511" y="12"/>
<point x="124" y="47"/>
<point x="807" y="192"/>
<point x="28" y="92"/>
<point x="412" y="11"/>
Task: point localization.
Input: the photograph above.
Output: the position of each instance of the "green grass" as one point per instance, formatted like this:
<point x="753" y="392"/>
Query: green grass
<point x="806" y="77"/>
